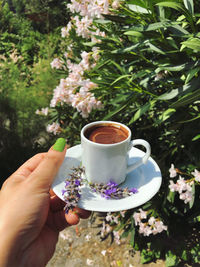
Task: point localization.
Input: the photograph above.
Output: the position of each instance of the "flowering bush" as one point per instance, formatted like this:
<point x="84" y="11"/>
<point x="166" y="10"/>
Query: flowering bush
<point x="137" y="62"/>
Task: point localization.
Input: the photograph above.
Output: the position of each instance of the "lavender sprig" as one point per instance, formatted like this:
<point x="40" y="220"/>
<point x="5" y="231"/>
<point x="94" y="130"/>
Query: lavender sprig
<point x="72" y="190"/>
<point x="111" y="190"/>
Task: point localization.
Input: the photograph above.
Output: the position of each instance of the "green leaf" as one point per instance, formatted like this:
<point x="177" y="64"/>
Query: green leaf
<point x="120" y="108"/>
<point x="125" y="234"/>
<point x="134" y="33"/>
<point x="178" y="30"/>
<point x="193" y="119"/>
<point x="132" y="239"/>
<point x="187" y="88"/>
<point x="168" y="96"/>
<point x="166" y="114"/>
<point x="173" y="68"/>
<point x="191" y="203"/>
<point x="195" y="219"/>
<point x="187" y="99"/>
<point x="154" y="48"/>
<point x="142" y="110"/>
<point x="179" y="7"/>
<point x="171" y="196"/>
<point x="146" y="256"/>
<point x="193" y="43"/>
<point x="184" y="255"/>
<point x="196" y="137"/>
<point x="189" y="5"/>
<point x="120" y="78"/>
<point x="154" y="26"/>
<point x="171" y="259"/>
<point x="170" y="4"/>
<point x="191" y="74"/>
<point x="126" y="50"/>
<point x="139" y="9"/>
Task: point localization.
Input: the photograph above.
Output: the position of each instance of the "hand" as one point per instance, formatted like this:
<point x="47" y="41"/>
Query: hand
<point x="30" y="219"/>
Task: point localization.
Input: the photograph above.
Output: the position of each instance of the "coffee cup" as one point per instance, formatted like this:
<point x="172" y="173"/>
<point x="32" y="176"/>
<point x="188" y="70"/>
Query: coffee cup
<point x="105" y="146"/>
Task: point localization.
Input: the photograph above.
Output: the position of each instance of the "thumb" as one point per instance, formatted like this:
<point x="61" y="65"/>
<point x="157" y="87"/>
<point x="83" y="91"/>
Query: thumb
<point x="46" y="171"/>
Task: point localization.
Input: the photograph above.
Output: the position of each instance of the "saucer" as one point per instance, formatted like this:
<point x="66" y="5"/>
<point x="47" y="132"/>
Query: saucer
<point x="146" y="178"/>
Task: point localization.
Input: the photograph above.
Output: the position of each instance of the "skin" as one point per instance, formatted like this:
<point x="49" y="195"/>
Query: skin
<point x="31" y="216"/>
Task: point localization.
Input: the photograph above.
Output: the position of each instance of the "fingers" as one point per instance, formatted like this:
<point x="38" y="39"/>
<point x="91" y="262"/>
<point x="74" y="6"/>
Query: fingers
<point x="56" y="203"/>
<point x="56" y="221"/>
<point x="83" y="214"/>
<point x="61" y="219"/>
<point x="29" y="166"/>
<point x="42" y="177"/>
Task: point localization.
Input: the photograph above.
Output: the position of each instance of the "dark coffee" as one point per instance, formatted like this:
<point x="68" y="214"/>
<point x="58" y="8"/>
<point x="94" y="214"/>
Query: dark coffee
<point x="106" y="134"/>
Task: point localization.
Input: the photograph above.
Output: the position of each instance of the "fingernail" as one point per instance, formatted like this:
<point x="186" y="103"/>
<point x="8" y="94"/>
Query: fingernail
<point x="59" y="145"/>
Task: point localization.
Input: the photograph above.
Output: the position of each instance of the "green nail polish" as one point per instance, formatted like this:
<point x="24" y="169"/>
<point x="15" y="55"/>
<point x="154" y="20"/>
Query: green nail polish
<point x="59" y="144"/>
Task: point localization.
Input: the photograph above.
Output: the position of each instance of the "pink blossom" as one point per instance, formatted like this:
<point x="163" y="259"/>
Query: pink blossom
<point x="92" y="8"/>
<point x="158" y="227"/>
<point x="43" y="111"/>
<point x="108" y="228"/>
<point x="82" y="26"/>
<point x="103" y="229"/>
<point x="196" y="175"/>
<point x="122" y="213"/>
<point x="143" y="214"/>
<point x="116" y="237"/>
<point x="183" y="188"/>
<point x="148" y="226"/>
<point x="65" y="30"/>
<point x="109" y="217"/>
<point x="173" y="187"/>
<point x="56" y="63"/>
<point x="54" y="128"/>
<point x="151" y="221"/>
<point x="145" y="229"/>
<point x="186" y="196"/>
<point x="84" y="102"/>
<point x="95" y="53"/>
<point x="172" y="171"/>
<point x="182" y="185"/>
<point x="116" y="4"/>
<point x="138" y="216"/>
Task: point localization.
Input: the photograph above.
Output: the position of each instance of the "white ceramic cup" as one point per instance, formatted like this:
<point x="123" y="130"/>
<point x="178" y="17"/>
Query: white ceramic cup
<point x="108" y="162"/>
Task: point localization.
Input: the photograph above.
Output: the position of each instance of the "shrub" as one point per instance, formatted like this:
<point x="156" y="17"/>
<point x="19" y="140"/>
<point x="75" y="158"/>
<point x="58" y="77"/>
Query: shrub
<point x="137" y="62"/>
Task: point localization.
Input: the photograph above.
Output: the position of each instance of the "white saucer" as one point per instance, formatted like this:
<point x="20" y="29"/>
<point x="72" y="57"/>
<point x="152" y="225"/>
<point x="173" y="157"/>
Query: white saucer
<point x="146" y="178"/>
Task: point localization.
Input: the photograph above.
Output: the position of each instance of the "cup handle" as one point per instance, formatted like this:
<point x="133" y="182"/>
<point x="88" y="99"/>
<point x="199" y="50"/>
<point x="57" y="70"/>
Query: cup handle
<point x="144" y="159"/>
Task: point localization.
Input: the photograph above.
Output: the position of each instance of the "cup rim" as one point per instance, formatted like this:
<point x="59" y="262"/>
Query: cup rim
<point x="104" y="122"/>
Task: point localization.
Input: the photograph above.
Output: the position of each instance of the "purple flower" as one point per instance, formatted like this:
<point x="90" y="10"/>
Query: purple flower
<point x="133" y="190"/>
<point x="105" y="196"/>
<point x="112" y="184"/>
<point x="78" y="195"/>
<point x="77" y="182"/>
<point x="67" y="183"/>
<point x="63" y="191"/>
<point x="110" y="191"/>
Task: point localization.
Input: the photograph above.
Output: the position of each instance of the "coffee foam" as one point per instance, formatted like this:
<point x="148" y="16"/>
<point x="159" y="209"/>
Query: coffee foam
<point x="106" y="134"/>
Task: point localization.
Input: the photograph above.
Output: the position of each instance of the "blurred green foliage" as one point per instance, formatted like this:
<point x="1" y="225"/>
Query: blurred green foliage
<point x="26" y="83"/>
<point x="44" y="15"/>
